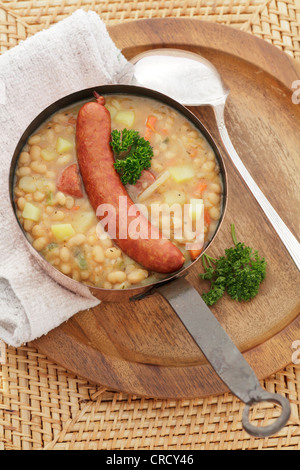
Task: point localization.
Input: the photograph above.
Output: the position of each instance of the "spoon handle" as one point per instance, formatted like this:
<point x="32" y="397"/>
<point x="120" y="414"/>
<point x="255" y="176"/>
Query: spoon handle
<point x="287" y="238"/>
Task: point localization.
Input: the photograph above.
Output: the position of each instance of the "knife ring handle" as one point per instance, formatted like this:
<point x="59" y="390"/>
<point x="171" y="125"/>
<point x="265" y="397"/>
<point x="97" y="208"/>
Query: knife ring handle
<point x="264" y="431"/>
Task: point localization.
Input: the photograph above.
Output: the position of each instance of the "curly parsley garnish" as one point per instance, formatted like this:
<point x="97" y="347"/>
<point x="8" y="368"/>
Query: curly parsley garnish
<point x="239" y="273"/>
<point x="134" y="154"/>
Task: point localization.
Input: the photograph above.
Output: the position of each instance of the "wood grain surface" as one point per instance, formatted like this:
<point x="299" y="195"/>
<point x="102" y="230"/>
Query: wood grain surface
<point x="141" y="347"/>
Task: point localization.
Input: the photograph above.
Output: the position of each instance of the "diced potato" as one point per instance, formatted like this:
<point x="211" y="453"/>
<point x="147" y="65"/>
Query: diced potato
<point x="83" y="221"/>
<point x="196" y="209"/>
<point x="112" y="110"/>
<point x="28" y="184"/>
<point x="182" y="173"/>
<point x="63" y="145"/>
<point x="48" y="154"/>
<point x="31" y="212"/>
<point x="125" y="118"/>
<point x="174" y="197"/>
<point x="62" y="232"/>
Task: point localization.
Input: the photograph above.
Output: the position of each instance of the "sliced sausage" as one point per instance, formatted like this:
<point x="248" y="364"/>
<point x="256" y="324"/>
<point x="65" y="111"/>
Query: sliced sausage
<point x="69" y="181"/>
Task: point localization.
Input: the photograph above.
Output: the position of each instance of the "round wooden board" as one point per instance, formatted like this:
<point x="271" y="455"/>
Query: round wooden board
<point x="141" y="347"/>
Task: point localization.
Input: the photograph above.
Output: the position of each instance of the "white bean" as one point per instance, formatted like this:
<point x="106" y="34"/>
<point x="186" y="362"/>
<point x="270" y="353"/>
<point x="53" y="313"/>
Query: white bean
<point x="213" y="198"/>
<point x="107" y="285"/>
<point x="137" y="275"/>
<point x="34" y="139"/>
<point x="40" y="243"/>
<point x="28" y="224"/>
<point x="38" y="231"/>
<point x="21" y="203"/>
<point x="24" y="158"/>
<point x="35" y="152"/>
<point x="50" y="174"/>
<point x="208" y="166"/>
<point x="65" y="268"/>
<point x="60" y="198"/>
<point x="69" y="202"/>
<point x="216" y="187"/>
<point x="64" y="254"/>
<point x="116" y="276"/>
<point x="58" y="215"/>
<point x="214" y="212"/>
<point x="64" y="159"/>
<point x="105" y="241"/>
<point x="57" y="128"/>
<point x="112" y="253"/>
<point x="77" y="240"/>
<point x="38" y="196"/>
<point x="38" y="167"/>
<point x="98" y="253"/>
<point x="50" y="136"/>
<point x="23" y="171"/>
<point x="27" y="184"/>
<point x="84" y="275"/>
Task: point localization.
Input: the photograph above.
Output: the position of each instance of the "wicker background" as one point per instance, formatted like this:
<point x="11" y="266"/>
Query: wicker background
<point x="43" y="406"/>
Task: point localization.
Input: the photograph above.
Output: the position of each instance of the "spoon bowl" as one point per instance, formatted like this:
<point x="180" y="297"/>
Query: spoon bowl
<point x="185" y="76"/>
<point x="192" y="80"/>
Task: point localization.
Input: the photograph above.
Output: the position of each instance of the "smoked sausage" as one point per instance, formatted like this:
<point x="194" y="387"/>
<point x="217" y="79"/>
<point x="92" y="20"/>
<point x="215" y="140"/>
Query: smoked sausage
<point x="69" y="181"/>
<point x="103" y="186"/>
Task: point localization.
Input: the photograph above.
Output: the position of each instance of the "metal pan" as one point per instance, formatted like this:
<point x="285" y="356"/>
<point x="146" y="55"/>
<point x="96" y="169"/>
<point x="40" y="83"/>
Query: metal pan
<point x="199" y="321"/>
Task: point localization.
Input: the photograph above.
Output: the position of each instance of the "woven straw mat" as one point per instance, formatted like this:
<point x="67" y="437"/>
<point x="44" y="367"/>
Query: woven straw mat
<point x="43" y="406"/>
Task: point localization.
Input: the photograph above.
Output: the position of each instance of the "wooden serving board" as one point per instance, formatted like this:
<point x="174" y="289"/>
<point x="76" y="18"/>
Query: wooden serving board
<point x="141" y="347"/>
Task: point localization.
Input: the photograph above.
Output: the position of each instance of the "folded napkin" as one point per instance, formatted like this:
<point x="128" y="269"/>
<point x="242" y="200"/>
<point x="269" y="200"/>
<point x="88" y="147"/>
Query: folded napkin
<point x="74" y="54"/>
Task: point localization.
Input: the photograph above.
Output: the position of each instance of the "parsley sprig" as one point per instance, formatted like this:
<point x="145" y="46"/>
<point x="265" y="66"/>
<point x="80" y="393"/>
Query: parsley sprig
<point x="239" y="273"/>
<point x="134" y="154"/>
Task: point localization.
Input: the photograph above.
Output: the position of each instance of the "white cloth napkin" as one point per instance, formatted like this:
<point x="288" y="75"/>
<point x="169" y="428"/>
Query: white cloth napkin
<point x="74" y="54"/>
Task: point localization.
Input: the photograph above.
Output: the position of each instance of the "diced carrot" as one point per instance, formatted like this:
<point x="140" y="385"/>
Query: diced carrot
<point x="148" y="134"/>
<point x="194" y="254"/>
<point x="207" y="218"/>
<point x="69" y="181"/>
<point x="151" y="122"/>
<point x="193" y="153"/>
<point x="71" y="120"/>
<point x="75" y="208"/>
<point x="201" y="186"/>
<point x="150" y="126"/>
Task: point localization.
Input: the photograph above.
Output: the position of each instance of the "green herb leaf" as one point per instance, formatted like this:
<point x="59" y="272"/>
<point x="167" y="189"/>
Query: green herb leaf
<point x="135" y="154"/>
<point x="239" y="273"/>
<point x="49" y="198"/>
<point x="51" y="246"/>
<point x="80" y="259"/>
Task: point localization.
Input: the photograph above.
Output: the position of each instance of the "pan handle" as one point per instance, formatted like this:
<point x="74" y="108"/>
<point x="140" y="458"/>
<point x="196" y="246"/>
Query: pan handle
<point x="227" y="361"/>
<point x="265" y="431"/>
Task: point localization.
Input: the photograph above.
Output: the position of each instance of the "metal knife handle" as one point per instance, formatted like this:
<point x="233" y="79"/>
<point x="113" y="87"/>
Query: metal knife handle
<point x="221" y="352"/>
<point x="286" y="236"/>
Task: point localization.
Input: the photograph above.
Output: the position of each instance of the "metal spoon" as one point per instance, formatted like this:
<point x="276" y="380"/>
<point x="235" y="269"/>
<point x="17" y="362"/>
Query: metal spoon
<point x="193" y="81"/>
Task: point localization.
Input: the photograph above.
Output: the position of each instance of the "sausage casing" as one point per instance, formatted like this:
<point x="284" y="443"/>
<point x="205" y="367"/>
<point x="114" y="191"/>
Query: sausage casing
<point x="103" y="186"/>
